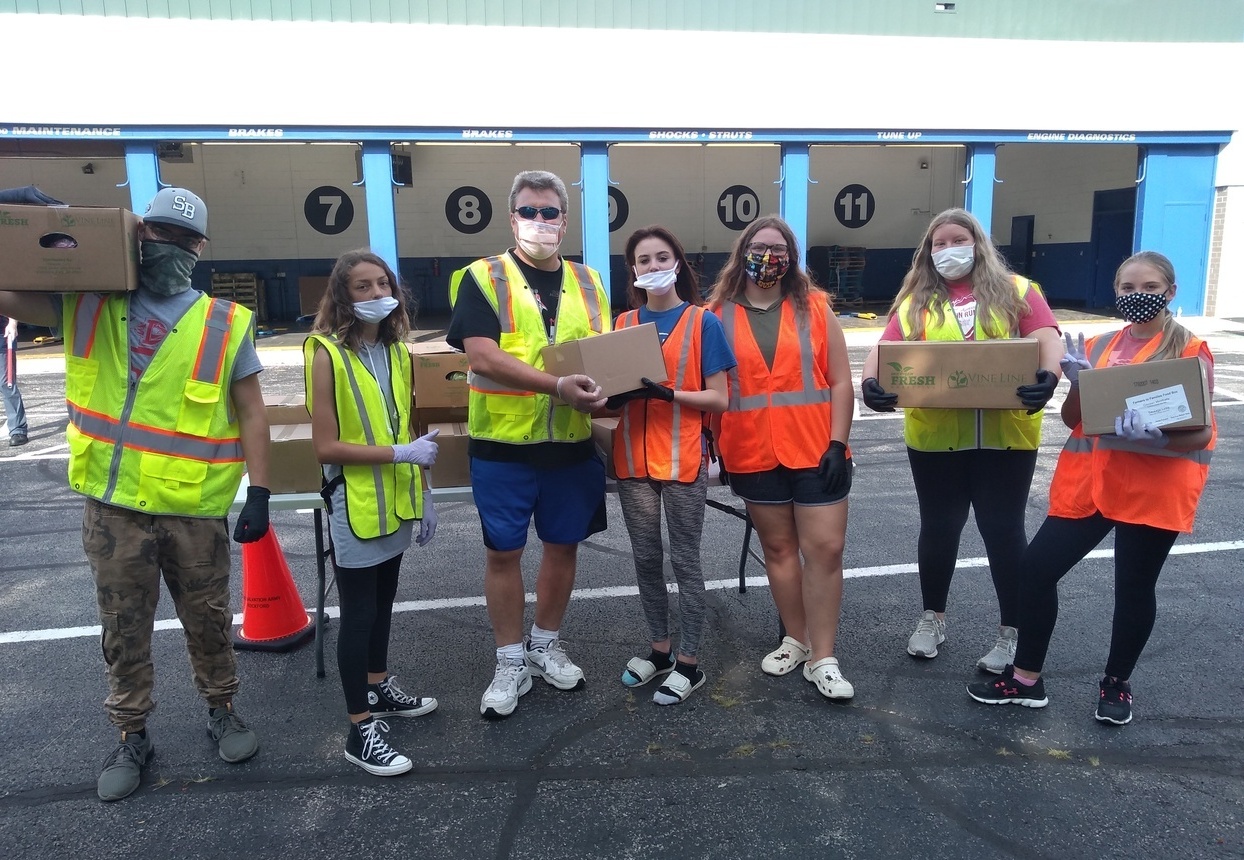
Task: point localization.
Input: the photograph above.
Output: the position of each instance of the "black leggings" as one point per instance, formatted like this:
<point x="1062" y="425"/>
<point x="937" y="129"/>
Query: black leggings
<point x="1139" y="553"/>
<point x="995" y="485"/>
<point x="367" y="595"/>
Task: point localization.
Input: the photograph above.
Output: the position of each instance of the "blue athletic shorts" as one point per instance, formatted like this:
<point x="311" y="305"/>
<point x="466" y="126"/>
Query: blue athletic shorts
<point x="568" y="502"/>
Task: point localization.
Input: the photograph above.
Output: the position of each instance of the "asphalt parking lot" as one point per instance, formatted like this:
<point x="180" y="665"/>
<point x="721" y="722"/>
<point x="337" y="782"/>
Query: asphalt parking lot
<point x="749" y="766"/>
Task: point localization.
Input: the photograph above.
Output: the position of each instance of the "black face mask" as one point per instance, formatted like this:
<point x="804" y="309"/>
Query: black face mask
<point x="1140" y="307"/>
<point x="166" y="268"/>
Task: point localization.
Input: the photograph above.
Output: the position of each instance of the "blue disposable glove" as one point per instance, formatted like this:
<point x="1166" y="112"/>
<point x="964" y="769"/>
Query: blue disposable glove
<point x="1131" y="426"/>
<point x="421" y="452"/>
<point x="427" y="525"/>
<point x="1074" y="359"/>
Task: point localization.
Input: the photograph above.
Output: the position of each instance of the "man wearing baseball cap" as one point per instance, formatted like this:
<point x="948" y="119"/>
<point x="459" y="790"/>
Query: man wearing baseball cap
<point x="165" y="413"/>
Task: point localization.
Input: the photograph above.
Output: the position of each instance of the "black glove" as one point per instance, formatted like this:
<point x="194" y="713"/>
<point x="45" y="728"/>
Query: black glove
<point x="253" y="521"/>
<point x="656" y="391"/>
<point x="1037" y="394"/>
<point x="723" y="475"/>
<point x="877" y="398"/>
<point x="834" y="470"/>
<point x="617" y="401"/>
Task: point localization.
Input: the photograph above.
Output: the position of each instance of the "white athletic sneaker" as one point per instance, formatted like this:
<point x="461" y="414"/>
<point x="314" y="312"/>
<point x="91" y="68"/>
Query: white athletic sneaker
<point x="930" y="632"/>
<point x="554" y="665"/>
<point x="786" y="657"/>
<point x="510" y="681"/>
<point x="1003" y="652"/>
<point x="828" y="678"/>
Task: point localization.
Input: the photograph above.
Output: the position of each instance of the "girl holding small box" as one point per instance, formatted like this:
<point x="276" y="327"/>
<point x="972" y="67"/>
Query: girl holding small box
<point x="1143" y="483"/>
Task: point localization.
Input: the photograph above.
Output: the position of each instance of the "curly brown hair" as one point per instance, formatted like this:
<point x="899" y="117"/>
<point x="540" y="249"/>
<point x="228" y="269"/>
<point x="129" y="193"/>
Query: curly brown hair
<point x="732" y="280"/>
<point x="335" y="315"/>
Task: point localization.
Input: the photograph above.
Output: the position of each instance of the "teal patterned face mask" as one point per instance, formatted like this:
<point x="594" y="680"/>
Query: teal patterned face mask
<point x="165" y="268"/>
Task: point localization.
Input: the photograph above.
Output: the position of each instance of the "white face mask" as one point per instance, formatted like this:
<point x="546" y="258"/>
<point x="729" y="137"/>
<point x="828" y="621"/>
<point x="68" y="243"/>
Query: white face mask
<point x="375" y="310"/>
<point x="539" y="240"/>
<point x="954" y="262"/>
<point x="656" y="283"/>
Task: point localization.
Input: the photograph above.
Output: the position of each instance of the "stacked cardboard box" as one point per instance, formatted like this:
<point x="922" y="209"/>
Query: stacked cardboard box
<point x="68" y="249"/>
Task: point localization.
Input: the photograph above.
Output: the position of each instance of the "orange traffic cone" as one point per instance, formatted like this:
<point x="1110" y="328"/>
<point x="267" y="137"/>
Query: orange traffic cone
<point x="273" y="616"/>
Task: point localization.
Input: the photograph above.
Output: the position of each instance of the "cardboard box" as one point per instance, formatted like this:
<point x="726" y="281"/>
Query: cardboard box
<point x="1174" y="394"/>
<point x="602" y="434"/>
<point x="426" y="418"/>
<point x="616" y="361"/>
<point x="311" y="289"/>
<point x="958" y="374"/>
<point x="286" y="409"/>
<point x="103" y="256"/>
<point x="453" y="466"/>
<point x="292" y="467"/>
<point x="440" y="375"/>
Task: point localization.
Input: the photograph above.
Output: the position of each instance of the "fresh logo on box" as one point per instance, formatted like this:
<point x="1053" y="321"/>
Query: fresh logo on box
<point x="903" y="375"/>
<point x="7" y="220"/>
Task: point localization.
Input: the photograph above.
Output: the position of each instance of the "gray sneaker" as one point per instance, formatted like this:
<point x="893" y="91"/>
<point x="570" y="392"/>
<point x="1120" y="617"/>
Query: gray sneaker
<point x="1003" y="652"/>
<point x="123" y="769"/>
<point x="234" y="740"/>
<point x="930" y="632"/>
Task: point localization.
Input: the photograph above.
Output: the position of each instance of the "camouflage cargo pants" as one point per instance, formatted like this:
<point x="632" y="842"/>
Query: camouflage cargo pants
<point x="128" y="551"/>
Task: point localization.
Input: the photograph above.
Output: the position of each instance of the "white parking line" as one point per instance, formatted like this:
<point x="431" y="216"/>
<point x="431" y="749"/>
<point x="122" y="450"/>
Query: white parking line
<point x="19" y="636"/>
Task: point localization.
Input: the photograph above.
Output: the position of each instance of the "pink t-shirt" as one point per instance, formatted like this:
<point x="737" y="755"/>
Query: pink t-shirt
<point x="963" y="302"/>
<point x="1128" y="346"/>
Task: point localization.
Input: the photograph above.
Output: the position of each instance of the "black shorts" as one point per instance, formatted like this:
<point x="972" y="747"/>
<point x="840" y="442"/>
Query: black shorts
<point x="782" y="486"/>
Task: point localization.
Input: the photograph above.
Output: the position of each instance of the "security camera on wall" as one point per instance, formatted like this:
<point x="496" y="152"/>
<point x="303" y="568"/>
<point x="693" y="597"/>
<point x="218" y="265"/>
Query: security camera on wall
<point x="178" y="152"/>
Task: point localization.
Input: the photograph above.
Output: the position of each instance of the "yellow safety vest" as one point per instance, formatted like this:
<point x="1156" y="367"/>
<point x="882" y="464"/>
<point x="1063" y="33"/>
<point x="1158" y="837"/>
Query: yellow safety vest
<point x="959" y="429"/>
<point x="379" y="497"/>
<point x="171" y="444"/>
<point x="503" y="414"/>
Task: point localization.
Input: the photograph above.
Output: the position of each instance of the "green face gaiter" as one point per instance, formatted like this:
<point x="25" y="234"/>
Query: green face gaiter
<point x="165" y="268"/>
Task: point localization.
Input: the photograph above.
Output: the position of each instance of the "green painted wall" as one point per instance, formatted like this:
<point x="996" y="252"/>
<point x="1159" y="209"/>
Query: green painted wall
<point x="1072" y="20"/>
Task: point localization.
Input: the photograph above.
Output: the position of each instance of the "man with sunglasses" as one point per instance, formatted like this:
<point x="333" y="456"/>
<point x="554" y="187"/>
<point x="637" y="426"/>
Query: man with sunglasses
<point x="530" y="431"/>
<point x="165" y="412"/>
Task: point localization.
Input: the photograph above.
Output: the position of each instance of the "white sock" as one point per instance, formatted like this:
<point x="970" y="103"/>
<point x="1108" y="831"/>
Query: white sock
<point x="541" y="638"/>
<point x="512" y="654"/>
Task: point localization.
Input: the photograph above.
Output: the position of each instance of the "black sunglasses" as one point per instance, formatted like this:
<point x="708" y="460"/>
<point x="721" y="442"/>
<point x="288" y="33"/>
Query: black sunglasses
<point x="528" y="213"/>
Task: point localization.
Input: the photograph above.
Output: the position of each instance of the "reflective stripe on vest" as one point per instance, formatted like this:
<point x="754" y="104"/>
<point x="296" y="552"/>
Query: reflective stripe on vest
<point x="500" y="412"/>
<point x="807" y="396"/>
<point x="666" y="463"/>
<point x="373" y="508"/>
<point x="765" y="426"/>
<point x="933" y="429"/>
<point x="167" y="445"/>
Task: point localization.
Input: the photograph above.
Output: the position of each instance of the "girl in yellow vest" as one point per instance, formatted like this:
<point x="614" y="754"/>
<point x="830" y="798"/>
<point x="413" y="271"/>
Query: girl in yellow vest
<point x="659" y="453"/>
<point x="783" y="440"/>
<point x="359" y="380"/>
<point x="960" y="289"/>
<point x="1143" y="483"/>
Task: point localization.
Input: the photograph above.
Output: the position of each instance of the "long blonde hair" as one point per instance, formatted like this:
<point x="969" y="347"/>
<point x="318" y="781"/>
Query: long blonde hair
<point x="732" y="279"/>
<point x="993" y="282"/>
<point x="1174" y="336"/>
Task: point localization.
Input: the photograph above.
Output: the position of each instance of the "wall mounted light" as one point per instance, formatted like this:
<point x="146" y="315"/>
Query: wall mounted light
<point x="88" y="168"/>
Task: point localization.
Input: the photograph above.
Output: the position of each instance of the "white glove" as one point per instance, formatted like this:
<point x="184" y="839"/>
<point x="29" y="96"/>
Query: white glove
<point x="1074" y="360"/>
<point x="421" y="452"/>
<point x="1132" y="427"/>
<point x="427" y="525"/>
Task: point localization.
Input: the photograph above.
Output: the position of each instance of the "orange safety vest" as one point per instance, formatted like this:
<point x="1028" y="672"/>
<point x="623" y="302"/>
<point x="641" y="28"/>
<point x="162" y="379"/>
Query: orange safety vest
<point x="659" y="440"/>
<point x="779" y="416"/>
<point x="1126" y="482"/>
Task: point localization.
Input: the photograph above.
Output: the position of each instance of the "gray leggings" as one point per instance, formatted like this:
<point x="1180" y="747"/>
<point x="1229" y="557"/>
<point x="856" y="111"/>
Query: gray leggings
<point x="684" y="511"/>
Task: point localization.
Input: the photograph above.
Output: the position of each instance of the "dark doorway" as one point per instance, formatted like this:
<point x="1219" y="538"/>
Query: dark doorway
<point x="1114" y="222"/>
<point x="1020" y="251"/>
